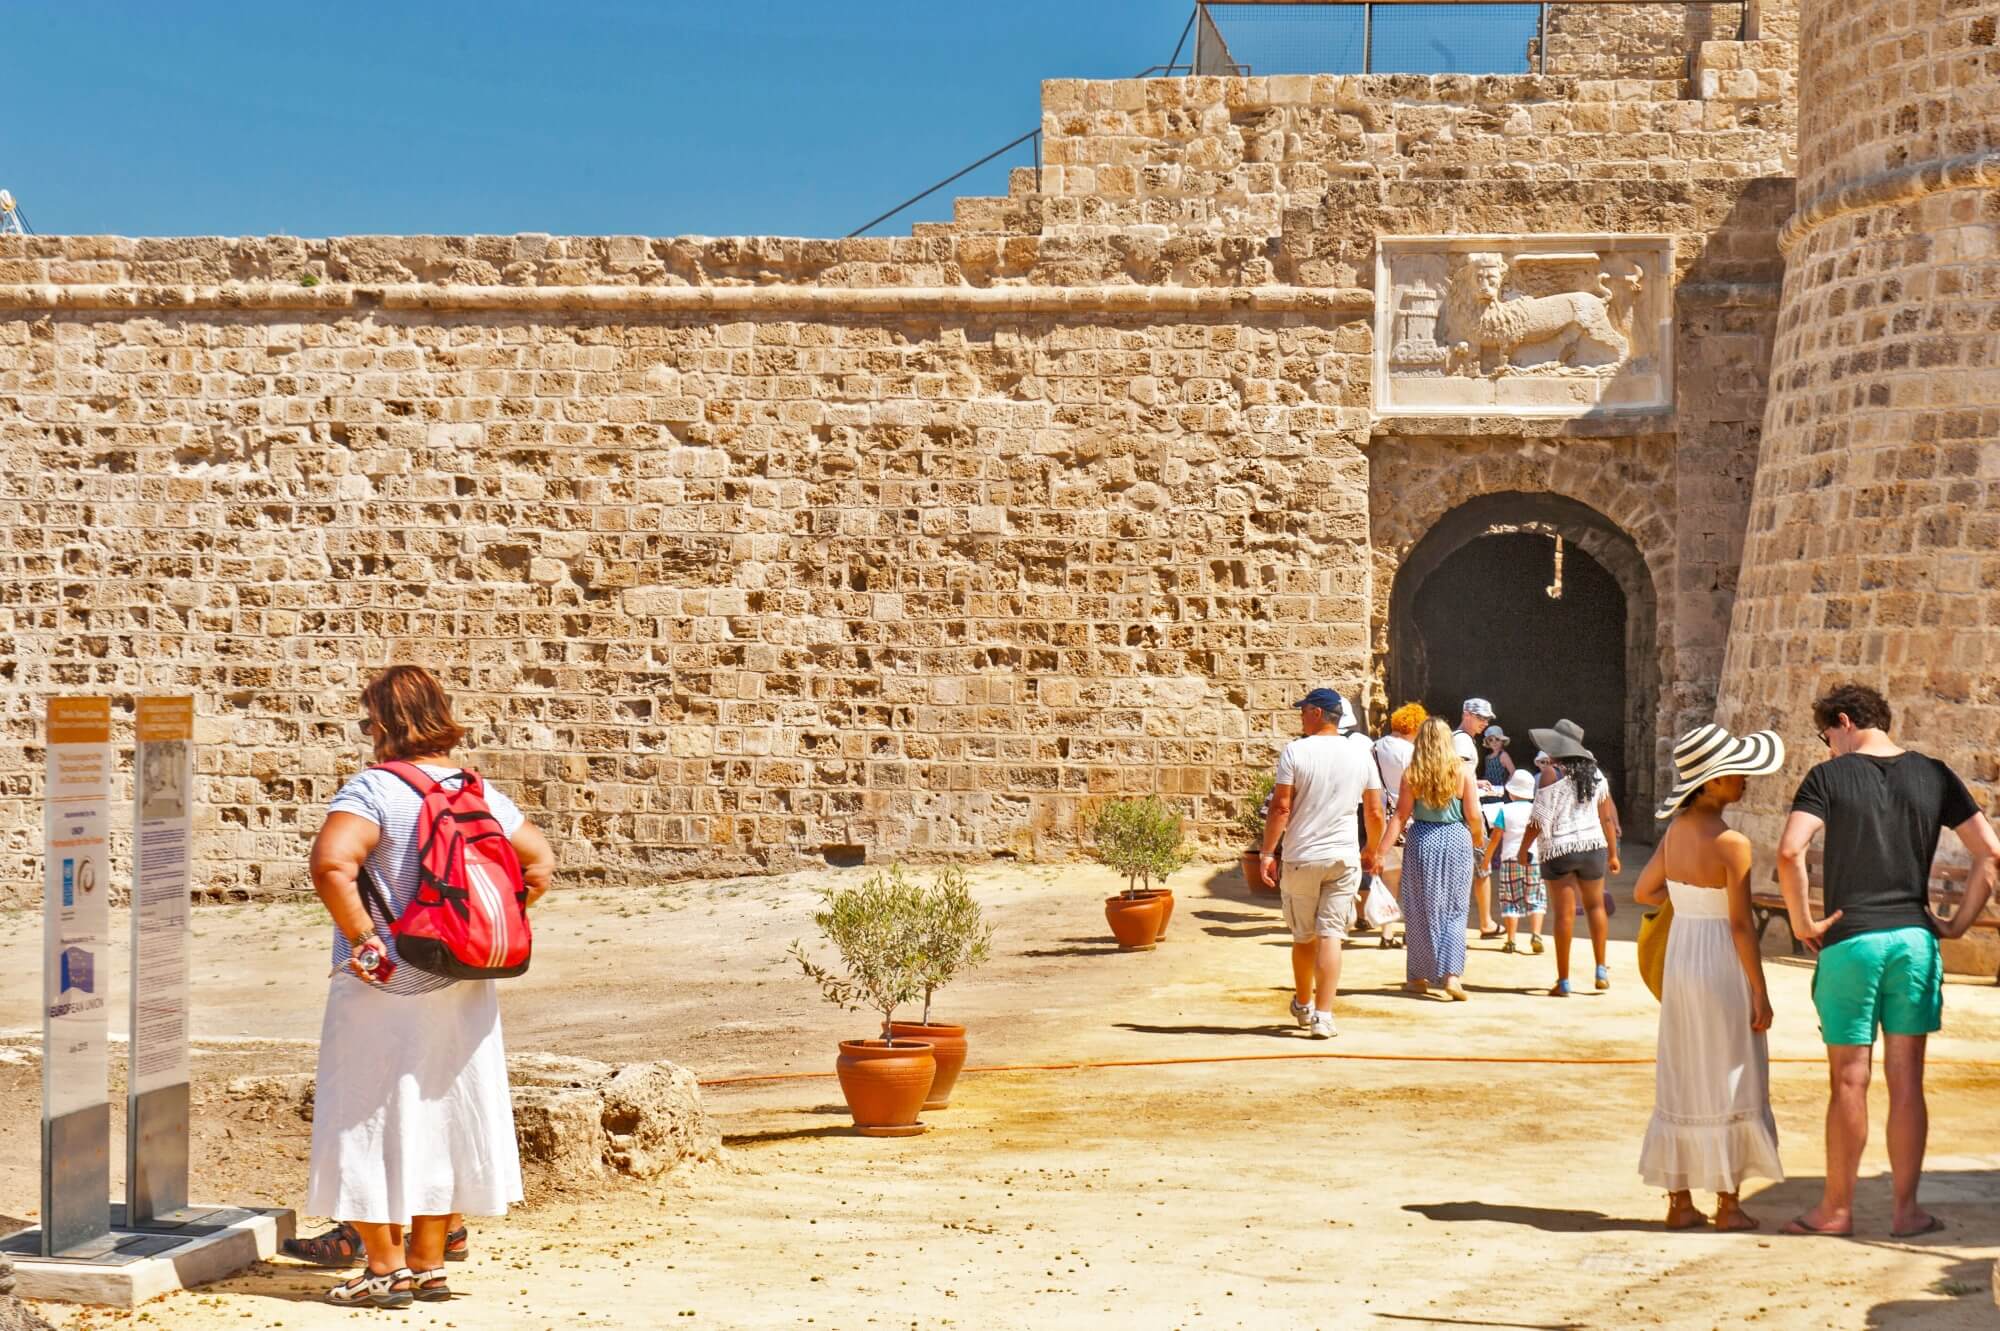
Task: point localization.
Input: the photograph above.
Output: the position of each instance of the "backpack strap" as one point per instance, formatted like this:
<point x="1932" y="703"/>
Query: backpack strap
<point x="371" y="897"/>
<point x="415" y="777"/>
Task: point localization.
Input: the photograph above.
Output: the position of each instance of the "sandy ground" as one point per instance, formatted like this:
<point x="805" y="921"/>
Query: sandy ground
<point x="1331" y="1187"/>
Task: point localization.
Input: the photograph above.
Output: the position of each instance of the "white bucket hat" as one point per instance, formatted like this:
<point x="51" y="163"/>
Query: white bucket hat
<point x="1709" y="751"/>
<point x="1521" y="785"/>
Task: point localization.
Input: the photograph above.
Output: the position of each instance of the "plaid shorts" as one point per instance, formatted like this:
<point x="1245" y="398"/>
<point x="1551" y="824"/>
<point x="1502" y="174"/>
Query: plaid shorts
<point x="1519" y="889"/>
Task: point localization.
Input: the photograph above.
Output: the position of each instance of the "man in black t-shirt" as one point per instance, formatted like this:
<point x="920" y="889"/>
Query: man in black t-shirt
<point x="1882" y="808"/>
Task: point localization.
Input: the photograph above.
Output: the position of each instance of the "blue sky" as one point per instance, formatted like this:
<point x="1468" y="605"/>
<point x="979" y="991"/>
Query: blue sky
<point x="773" y="117"/>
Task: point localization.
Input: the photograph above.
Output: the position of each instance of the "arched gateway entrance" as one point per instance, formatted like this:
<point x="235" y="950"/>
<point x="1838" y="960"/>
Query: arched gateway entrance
<point x="1546" y="607"/>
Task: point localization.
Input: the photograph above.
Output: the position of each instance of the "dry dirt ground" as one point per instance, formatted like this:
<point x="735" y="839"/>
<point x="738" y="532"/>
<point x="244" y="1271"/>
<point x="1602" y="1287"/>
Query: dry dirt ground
<point x="1268" y="1182"/>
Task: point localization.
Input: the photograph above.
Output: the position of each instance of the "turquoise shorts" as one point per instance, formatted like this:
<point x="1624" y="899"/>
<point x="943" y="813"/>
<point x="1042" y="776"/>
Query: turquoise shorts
<point x="1890" y="980"/>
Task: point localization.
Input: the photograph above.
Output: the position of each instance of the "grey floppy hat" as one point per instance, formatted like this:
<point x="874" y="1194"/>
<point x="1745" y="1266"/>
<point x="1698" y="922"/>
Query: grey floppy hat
<point x="1709" y="751"/>
<point x="1563" y="740"/>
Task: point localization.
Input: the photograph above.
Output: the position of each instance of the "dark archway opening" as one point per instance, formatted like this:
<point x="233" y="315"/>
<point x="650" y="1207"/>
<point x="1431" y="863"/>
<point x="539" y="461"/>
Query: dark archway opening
<point x="1471" y="615"/>
<point x="1487" y="626"/>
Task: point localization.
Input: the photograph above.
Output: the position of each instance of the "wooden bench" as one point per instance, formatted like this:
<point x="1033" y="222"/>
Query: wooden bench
<point x="1947" y="890"/>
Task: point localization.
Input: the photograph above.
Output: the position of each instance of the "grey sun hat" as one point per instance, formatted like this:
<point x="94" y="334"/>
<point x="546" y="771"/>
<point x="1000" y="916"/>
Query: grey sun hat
<point x="1709" y="751"/>
<point x="1564" y="740"/>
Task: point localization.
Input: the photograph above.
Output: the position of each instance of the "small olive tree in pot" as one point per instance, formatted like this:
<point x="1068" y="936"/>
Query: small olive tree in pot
<point x="1140" y="839"/>
<point x="955" y="940"/>
<point x="876" y="929"/>
<point x="1252" y="819"/>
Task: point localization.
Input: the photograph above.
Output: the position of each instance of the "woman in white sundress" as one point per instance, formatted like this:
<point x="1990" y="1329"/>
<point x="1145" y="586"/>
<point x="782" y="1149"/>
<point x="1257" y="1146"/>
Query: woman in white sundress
<point x="1712" y="1127"/>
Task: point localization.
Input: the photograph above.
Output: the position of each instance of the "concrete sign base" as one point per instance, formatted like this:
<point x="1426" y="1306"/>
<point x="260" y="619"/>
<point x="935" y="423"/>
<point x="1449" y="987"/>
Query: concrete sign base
<point x="129" y="1266"/>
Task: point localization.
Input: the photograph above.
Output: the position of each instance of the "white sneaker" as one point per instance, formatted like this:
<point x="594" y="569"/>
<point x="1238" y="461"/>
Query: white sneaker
<point x="1322" y="1026"/>
<point x="1302" y="1013"/>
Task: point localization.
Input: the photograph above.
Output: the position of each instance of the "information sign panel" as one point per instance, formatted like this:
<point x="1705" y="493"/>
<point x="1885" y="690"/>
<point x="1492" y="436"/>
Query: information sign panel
<point x="76" y="925"/>
<point x="156" y="1108"/>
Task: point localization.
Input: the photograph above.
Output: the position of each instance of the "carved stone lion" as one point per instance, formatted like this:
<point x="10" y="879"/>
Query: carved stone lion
<point x="1488" y="329"/>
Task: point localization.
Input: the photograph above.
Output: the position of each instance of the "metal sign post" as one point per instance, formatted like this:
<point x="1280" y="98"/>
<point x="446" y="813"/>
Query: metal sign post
<point x="156" y="1105"/>
<point x="76" y="923"/>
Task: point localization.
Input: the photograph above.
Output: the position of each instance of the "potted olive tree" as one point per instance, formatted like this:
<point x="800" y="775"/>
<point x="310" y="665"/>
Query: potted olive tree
<point x="955" y="939"/>
<point x="876" y="930"/>
<point x="1140" y="839"/>
<point x="1256" y="809"/>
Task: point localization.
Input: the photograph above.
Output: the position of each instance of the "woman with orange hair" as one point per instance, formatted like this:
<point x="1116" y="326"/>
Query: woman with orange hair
<point x="1392" y="755"/>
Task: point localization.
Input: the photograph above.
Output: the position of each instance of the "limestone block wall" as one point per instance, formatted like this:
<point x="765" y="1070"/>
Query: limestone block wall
<point x="1871" y="547"/>
<point x="1634" y="41"/>
<point x="742" y="552"/>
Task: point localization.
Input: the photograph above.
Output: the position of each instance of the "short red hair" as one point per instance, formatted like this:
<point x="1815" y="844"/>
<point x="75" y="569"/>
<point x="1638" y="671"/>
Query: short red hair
<point x="411" y="713"/>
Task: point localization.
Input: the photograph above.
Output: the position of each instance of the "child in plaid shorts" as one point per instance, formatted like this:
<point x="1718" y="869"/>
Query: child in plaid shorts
<point x="1517" y="889"/>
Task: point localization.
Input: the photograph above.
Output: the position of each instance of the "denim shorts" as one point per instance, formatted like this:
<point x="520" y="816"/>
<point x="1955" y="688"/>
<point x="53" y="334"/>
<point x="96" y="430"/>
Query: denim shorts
<point x="1585" y="864"/>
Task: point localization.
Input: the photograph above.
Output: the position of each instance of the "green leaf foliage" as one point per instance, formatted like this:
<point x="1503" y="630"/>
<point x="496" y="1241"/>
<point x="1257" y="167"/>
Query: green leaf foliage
<point x="877" y="930"/>
<point x="956" y="938"/>
<point x="1140" y="839"/>
<point x="1251" y="817"/>
<point x="896" y="941"/>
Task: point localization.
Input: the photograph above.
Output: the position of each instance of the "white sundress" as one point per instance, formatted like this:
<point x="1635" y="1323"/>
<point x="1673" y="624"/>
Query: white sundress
<point x="1712" y="1126"/>
<point x="412" y="1114"/>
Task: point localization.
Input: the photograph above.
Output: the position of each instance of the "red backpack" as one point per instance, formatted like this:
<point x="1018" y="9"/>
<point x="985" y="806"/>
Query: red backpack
<point x="469" y="918"/>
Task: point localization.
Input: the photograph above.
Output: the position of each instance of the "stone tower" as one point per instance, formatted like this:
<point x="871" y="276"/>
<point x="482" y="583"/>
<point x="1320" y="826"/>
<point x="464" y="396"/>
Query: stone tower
<point x="1871" y="550"/>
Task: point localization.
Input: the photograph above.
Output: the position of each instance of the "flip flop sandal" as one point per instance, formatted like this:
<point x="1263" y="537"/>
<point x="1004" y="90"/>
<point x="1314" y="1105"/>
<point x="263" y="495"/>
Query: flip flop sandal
<point x="430" y="1286"/>
<point x="1931" y="1226"/>
<point x="1798" y="1227"/>
<point x="340" y="1246"/>
<point x="457" y="1245"/>
<point x="375" y="1291"/>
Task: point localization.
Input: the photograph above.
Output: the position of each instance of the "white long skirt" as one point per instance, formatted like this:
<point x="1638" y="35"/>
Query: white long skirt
<point x="1712" y="1125"/>
<point x="412" y="1114"/>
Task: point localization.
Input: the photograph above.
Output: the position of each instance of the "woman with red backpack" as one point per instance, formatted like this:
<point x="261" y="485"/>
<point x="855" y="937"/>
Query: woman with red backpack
<point x="428" y="873"/>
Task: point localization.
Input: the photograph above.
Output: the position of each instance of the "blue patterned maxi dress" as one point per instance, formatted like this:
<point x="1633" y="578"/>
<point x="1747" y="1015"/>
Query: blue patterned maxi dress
<point x="1436" y="891"/>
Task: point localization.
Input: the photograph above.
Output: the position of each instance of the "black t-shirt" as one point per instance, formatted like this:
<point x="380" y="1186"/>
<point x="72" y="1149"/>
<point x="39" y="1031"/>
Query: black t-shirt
<point x="1883" y="817"/>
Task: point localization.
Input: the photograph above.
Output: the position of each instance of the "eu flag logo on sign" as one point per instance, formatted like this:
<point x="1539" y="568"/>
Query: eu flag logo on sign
<point x="79" y="970"/>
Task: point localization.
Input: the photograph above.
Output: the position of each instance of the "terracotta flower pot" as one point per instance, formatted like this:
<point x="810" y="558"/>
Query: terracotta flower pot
<point x="947" y="1046"/>
<point x="1134" y="921"/>
<point x="885" y="1085"/>
<point x="1253" y="873"/>
<point x="1165" y="896"/>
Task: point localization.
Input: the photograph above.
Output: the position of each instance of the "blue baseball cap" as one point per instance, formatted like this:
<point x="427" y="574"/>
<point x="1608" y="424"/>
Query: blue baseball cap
<point x="1325" y="699"/>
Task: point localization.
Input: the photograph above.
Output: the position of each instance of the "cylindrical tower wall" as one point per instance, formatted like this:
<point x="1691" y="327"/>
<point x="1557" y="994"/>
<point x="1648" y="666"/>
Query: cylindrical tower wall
<point x="1873" y="550"/>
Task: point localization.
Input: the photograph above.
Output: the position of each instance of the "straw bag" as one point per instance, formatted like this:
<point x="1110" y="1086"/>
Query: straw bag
<point x="1653" y="927"/>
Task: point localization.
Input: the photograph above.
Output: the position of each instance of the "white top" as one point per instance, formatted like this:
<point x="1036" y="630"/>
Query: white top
<point x="1392" y="759"/>
<point x="387" y="801"/>
<point x="1511" y="821"/>
<point x="1569" y="824"/>
<point x="1467" y="749"/>
<point x="1329" y="775"/>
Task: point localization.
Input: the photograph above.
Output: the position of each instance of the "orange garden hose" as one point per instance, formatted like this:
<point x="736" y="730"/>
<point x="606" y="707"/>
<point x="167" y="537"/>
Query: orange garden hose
<point x="1088" y="1065"/>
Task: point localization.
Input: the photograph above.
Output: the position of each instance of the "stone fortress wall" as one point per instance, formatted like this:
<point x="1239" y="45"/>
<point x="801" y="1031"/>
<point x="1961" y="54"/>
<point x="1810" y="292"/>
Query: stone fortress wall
<point x="746" y="553"/>
<point x="1874" y="540"/>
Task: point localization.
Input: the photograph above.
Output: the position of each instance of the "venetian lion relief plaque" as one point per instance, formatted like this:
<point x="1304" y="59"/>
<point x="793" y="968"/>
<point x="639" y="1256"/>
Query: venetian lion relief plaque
<point x="1523" y="325"/>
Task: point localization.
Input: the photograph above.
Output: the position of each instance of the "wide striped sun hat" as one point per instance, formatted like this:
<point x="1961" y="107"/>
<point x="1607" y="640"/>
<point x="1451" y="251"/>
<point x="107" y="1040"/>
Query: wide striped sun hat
<point x="1709" y="751"/>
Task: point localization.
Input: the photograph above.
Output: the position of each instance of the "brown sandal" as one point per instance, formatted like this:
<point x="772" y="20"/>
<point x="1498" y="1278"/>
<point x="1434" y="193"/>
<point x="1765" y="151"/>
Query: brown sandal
<point x="340" y="1246"/>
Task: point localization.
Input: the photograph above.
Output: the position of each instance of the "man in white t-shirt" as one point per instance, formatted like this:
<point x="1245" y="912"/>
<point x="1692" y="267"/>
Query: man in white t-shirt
<point x="1321" y="777"/>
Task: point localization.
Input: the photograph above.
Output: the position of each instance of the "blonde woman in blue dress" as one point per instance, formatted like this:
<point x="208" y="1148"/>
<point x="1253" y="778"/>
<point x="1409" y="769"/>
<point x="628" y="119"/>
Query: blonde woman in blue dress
<point x="1712" y="1126"/>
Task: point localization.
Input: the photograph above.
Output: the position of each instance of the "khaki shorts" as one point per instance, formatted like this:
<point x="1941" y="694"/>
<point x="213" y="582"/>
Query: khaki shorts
<point x="1319" y="898"/>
